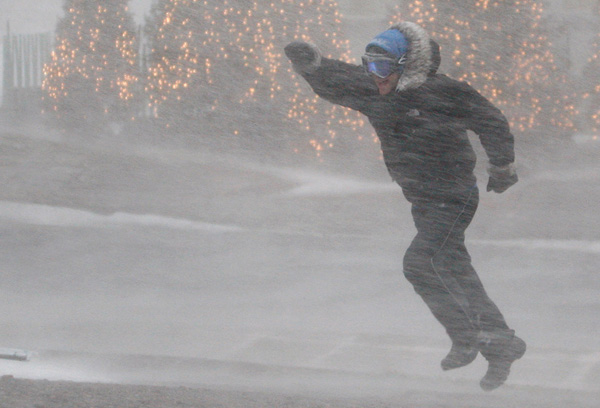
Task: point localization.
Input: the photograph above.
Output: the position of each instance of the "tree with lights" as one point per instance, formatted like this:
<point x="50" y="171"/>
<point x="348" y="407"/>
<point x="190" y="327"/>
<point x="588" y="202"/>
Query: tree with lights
<point x="93" y="73"/>
<point x="220" y="63"/>
<point x="591" y="95"/>
<point x="502" y="48"/>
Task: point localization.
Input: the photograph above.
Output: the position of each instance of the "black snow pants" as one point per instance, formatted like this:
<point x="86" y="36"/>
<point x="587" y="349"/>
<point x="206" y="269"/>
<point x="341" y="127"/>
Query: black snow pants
<point x="439" y="267"/>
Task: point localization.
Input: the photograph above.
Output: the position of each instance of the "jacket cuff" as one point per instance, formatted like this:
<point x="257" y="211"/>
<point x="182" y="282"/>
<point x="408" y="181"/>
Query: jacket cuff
<point x="508" y="170"/>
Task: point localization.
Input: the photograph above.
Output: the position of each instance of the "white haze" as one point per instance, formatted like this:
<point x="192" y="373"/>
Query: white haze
<point x="135" y="263"/>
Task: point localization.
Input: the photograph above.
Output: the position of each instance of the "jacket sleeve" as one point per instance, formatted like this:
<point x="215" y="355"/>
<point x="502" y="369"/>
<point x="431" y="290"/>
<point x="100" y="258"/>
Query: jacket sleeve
<point x="342" y="84"/>
<point x="490" y="124"/>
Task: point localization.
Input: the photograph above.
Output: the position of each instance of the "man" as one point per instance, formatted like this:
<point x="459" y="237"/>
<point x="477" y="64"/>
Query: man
<point x="422" y="119"/>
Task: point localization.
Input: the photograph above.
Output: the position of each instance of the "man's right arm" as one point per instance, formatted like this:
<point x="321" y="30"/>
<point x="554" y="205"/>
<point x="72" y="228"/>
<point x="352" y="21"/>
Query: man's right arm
<point x="335" y="81"/>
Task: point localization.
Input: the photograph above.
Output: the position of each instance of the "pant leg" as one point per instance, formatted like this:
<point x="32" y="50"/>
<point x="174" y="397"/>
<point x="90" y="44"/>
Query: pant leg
<point x="439" y="267"/>
<point x="482" y="308"/>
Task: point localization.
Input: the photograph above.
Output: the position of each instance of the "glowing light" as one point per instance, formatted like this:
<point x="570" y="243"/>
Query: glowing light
<point x="511" y="64"/>
<point x="199" y="58"/>
<point x="242" y="46"/>
<point x="92" y="57"/>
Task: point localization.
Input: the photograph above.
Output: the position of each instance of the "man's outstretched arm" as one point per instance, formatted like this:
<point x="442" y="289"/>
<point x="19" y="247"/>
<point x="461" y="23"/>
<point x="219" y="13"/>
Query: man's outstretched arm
<point x="335" y="81"/>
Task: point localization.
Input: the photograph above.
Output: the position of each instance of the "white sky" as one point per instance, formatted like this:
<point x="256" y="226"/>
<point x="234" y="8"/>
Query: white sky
<point x="34" y="16"/>
<point x="29" y="16"/>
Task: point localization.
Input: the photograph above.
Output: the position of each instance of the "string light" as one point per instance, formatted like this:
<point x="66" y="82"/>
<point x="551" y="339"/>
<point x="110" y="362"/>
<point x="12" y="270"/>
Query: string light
<point x="94" y="62"/>
<point x="501" y="48"/>
<point x="592" y="91"/>
<point x="203" y="58"/>
<point x="234" y="57"/>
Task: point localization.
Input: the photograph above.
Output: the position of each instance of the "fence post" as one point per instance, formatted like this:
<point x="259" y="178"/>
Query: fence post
<point x="18" y="57"/>
<point x="7" y="79"/>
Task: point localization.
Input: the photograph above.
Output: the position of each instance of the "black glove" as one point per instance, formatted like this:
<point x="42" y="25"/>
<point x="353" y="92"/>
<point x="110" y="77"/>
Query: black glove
<point x="305" y="57"/>
<point x="501" y="177"/>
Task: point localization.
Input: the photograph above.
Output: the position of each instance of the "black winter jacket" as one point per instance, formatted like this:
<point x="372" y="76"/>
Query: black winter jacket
<point x="423" y="126"/>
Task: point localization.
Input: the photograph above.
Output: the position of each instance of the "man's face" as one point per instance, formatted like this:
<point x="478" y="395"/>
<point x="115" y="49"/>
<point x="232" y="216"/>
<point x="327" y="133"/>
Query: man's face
<point x="387" y="84"/>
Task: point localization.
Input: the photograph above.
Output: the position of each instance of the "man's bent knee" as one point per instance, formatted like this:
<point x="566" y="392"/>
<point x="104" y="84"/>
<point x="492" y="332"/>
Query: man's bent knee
<point x="417" y="267"/>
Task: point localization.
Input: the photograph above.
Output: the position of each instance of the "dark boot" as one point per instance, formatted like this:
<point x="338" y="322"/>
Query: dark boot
<point x="459" y="356"/>
<point x="501" y="349"/>
<point x="463" y="352"/>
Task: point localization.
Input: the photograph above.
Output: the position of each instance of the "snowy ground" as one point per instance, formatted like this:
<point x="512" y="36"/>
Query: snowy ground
<point x="145" y="265"/>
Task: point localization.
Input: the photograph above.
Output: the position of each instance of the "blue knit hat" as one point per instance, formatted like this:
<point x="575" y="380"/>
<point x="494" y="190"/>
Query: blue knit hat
<point x="392" y="41"/>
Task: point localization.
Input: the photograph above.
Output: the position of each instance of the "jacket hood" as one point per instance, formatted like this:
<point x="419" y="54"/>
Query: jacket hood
<point x="422" y="59"/>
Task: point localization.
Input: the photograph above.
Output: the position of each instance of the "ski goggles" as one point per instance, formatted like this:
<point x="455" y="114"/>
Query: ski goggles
<point x="382" y="66"/>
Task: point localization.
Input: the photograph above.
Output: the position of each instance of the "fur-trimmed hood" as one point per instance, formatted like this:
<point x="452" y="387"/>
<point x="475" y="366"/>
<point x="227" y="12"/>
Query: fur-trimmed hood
<point x="422" y="59"/>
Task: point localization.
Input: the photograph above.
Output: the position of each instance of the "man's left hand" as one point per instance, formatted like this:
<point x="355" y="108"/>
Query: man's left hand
<point x="501" y="177"/>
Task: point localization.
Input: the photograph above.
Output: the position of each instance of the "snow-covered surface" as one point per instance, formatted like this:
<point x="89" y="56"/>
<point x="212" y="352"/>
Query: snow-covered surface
<point x="45" y="215"/>
<point x="138" y="264"/>
<point x="129" y="263"/>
